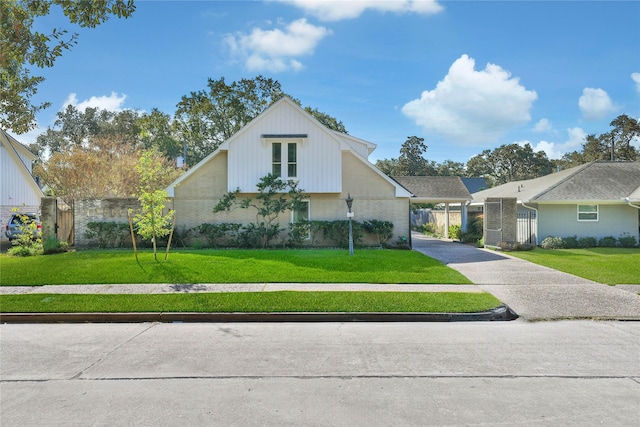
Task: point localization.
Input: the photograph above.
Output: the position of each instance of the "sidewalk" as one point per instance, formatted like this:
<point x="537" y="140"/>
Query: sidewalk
<point x="533" y="291"/>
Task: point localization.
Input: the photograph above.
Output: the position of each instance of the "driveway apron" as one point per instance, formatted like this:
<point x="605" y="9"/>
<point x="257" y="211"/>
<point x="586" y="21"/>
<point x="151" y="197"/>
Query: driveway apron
<point x="534" y="292"/>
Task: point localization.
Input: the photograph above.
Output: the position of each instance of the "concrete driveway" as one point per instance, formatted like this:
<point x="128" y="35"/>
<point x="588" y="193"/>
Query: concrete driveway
<point x="533" y="291"/>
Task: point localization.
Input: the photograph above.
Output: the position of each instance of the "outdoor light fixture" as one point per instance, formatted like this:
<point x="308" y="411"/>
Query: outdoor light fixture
<point x="349" y="201"/>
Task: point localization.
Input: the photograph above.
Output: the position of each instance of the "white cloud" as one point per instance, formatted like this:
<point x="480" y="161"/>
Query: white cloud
<point x="636" y="78"/>
<point x="472" y="107"/>
<point x="576" y="137"/>
<point x="544" y="125"/>
<point x="275" y="50"/>
<point x="336" y="10"/>
<point x="595" y="104"/>
<point x="112" y="102"/>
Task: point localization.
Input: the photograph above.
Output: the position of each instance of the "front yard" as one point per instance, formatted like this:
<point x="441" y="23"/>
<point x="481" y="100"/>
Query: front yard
<point x="612" y="266"/>
<point x="238" y="266"/>
<point x="228" y="266"/>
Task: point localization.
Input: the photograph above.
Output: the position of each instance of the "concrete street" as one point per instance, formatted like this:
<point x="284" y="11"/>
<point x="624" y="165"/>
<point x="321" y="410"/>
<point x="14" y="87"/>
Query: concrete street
<point x="569" y="373"/>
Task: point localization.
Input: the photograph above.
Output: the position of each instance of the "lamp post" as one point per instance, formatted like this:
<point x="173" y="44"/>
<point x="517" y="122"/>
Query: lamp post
<point x="349" y="201"/>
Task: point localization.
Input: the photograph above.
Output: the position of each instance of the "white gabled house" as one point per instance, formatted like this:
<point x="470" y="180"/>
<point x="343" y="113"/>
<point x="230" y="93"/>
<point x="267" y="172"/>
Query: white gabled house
<point x="18" y="189"/>
<point x="288" y="141"/>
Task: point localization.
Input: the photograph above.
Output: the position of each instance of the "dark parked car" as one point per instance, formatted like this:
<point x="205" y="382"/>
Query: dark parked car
<point x="13" y="227"/>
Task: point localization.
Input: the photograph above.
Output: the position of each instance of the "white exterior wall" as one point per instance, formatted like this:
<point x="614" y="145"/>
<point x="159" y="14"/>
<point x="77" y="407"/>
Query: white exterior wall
<point x="562" y="221"/>
<point x="17" y="188"/>
<point x="318" y="156"/>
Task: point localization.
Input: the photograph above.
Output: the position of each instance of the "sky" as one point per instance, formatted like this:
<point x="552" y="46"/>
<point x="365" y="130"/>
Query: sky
<point x="466" y="76"/>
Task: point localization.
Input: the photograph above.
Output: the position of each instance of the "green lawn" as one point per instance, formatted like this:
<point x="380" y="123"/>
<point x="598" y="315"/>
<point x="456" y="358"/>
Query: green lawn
<point x="604" y="265"/>
<point x="228" y="266"/>
<point x="285" y="301"/>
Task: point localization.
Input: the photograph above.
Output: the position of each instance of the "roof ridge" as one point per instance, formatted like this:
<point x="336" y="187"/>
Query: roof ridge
<point x="566" y="178"/>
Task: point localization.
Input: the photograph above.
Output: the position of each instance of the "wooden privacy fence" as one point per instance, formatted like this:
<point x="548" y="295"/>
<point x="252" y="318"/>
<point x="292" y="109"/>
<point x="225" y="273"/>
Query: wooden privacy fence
<point x="57" y="219"/>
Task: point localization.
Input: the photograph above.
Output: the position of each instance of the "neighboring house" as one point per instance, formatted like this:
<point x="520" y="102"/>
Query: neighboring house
<point x="596" y="199"/>
<point x="328" y="166"/>
<point x="18" y="189"/>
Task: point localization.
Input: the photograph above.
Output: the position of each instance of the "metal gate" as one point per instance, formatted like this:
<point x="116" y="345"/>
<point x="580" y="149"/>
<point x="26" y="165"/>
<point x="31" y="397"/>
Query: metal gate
<point x="64" y="221"/>
<point x="527" y="227"/>
<point x="493" y="223"/>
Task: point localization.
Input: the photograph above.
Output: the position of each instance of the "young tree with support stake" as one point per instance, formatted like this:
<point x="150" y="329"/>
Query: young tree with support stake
<point x="151" y="223"/>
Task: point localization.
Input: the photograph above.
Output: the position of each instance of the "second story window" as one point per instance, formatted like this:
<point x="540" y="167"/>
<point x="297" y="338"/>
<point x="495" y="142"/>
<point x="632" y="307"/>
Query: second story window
<point x="276" y="158"/>
<point x="292" y="160"/>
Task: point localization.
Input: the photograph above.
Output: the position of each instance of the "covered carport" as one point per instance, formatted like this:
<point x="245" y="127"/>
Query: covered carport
<point x="447" y="190"/>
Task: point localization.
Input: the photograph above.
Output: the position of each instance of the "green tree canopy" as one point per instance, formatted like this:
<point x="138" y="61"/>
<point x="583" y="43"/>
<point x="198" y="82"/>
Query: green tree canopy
<point x="508" y="163"/>
<point x="22" y="48"/>
<point x="411" y="161"/>
<point x="625" y="131"/>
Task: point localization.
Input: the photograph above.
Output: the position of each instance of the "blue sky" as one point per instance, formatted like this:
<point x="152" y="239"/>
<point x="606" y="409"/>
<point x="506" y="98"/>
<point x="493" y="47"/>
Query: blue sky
<point x="464" y="75"/>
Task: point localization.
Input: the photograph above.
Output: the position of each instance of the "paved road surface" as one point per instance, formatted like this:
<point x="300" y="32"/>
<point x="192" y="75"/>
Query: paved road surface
<point x="570" y="373"/>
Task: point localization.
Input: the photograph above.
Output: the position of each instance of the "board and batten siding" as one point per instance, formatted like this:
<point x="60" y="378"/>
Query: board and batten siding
<point x="17" y="188"/>
<point x="318" y="155"/>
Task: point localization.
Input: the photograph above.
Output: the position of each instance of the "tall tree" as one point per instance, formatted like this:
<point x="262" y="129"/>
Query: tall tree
<point x="158" y="130"/>
<point x="75" y="128"/>
<point x="411" y="162"/>
<point x="614" y="145"/>
<point x="388" y="166"/>
<point x="22" y="48"/>
<point x="508" y="163"/>
<point x="450" y="168"/>
<point x="209" y="117"/>
<point x="328" y="121"/>
<point x="625" y="131"/>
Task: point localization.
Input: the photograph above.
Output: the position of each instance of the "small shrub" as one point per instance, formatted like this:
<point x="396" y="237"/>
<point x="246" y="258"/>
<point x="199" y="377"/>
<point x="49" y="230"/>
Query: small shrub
<point x="455" y="232"/>
<point x="480" y="243"/>
<point x="107" y="233"/>
<point x="627" y="241"/>
<point x="474" y="230"/>
<point x="298" y="233"/>
<point x="225" y="233"/>
<point x="587" y="242"/>
<point x="570" y="242"/>
<point x="338" y="231"/>
<point x="552" y="243"/>
<point x="382" y="229"/>
<point x="402" y="243"/>
<point x="29" y="242"/>
<point x="52" y="245"/>
<point x="507" y="246"/>
<point x="429" y="229"/>
<point x="607" y="242"/>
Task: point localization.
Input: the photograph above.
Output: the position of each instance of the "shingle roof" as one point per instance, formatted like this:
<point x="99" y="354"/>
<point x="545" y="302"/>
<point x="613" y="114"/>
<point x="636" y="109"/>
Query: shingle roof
<point x="475" y="184"/>
<point x="435" y="188"/>
<point x="595" y="181"/>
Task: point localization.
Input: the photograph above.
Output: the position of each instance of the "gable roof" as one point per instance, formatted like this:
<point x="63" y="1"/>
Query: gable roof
<point x="598" y="181"/>
<point x="346" y="143"/>
<point x="439" y="189"/>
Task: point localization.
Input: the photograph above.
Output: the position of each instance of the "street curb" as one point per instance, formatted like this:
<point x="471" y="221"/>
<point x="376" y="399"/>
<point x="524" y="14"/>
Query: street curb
<point x="501" y="313"/>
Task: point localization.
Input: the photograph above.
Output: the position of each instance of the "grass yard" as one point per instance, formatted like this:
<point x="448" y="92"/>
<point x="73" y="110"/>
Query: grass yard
<point x="227" y="266"/>
<point x="256" y="302"/>
<point x="604" y="265"/>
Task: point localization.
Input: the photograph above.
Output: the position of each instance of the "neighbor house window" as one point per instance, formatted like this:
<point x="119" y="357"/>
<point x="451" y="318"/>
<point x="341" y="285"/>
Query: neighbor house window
<point x="276" y="158"/>
<point x="292" y="160"/>
<point x="587" y="212"/>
